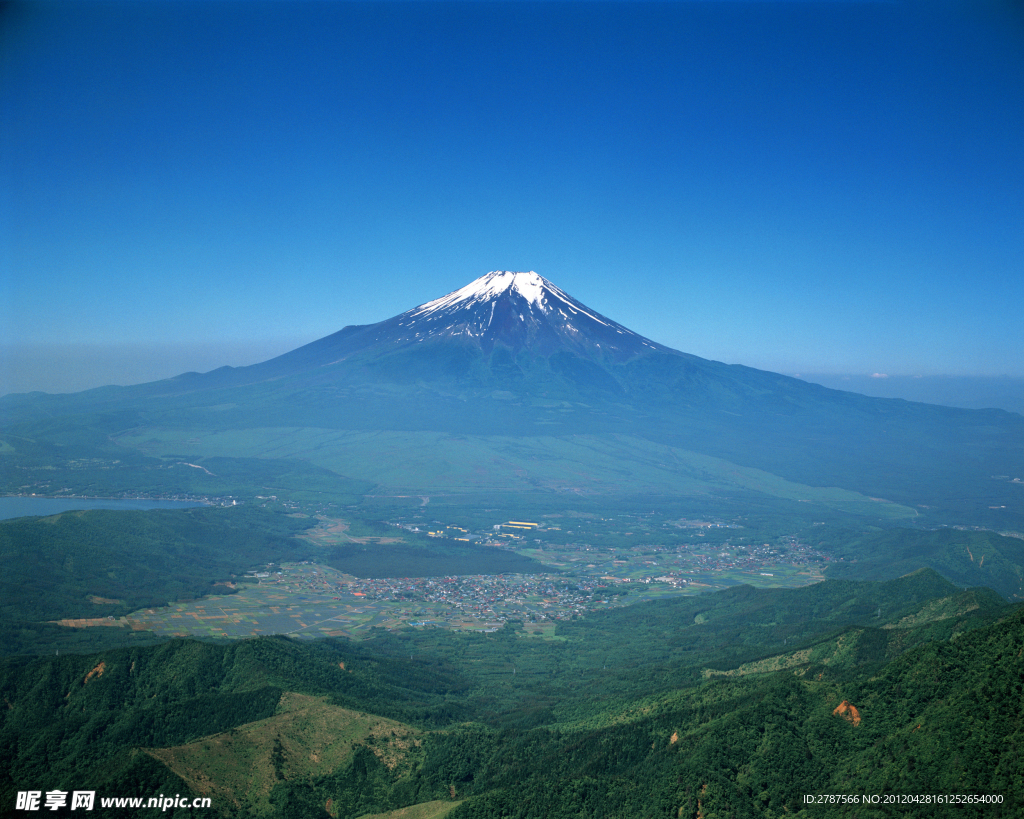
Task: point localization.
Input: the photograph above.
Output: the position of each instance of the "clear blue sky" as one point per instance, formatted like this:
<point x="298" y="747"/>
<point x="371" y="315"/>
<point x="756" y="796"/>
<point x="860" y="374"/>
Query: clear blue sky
<point x="798" y="186"/>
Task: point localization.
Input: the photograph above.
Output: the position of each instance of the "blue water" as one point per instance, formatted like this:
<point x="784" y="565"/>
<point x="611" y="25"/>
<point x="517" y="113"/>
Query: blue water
<point x="23" y="507"/>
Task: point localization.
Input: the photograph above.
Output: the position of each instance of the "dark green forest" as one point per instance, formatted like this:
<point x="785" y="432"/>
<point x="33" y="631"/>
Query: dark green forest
<point x="965" y="557"/>
<point x="139" y="558"/>
<point x="718" y="706"/>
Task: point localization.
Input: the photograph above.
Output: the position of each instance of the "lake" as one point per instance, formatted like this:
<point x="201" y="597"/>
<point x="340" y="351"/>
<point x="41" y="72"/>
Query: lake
<point x="20" y="507"/>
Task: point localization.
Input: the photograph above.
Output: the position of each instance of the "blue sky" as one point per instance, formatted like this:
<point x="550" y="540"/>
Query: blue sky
<point x="799" y="186"/>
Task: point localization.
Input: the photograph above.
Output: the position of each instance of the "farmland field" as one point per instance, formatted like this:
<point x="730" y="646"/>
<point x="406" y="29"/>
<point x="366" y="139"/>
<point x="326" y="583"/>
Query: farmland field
<point x="308" y="600"/>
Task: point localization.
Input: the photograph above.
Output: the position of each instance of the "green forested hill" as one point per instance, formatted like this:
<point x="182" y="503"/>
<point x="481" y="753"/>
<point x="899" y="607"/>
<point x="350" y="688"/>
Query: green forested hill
<point x="970" y="558"/>
<point x="125" y="560"/>
<point x="106" y="564"/>
<point x="513" y="726"/>
<point x="942" y="719"/>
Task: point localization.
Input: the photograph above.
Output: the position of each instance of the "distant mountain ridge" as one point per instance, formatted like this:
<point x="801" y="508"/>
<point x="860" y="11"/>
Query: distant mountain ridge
<point x="966" y="391"/>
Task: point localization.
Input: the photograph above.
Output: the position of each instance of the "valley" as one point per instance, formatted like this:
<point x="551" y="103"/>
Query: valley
<point x="311" y="599"/>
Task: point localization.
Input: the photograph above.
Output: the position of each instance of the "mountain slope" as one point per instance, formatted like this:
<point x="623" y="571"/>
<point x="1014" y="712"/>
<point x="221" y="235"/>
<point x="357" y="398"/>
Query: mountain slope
<point x="510" y="354"/>
<point x="520" y="311"/>
<point x="299" y="728"/>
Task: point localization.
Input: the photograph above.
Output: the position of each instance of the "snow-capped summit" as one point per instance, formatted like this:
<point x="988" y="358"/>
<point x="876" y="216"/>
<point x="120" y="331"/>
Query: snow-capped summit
<point x="528" y="285"/>
<point x="518" y="310"/>
<point x="538" y="291"/>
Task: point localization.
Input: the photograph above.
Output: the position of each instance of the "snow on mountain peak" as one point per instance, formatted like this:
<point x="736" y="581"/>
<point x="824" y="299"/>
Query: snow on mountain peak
<point x="533" y="288"/>
<point x="528" y="285"/>
<point x="519" y="310"/>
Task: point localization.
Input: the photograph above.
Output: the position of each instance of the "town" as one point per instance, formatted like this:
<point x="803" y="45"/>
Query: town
<point x="311" y="598"/>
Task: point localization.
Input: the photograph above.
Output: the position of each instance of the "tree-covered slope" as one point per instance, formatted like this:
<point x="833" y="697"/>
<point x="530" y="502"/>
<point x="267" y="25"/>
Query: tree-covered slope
<point x="108" y="563"/>
<point x="969" y="558"/>
<point x="943" y="720"/>
<point x="516" y="726"/>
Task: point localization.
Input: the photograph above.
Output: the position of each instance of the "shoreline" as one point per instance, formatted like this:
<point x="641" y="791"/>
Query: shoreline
<point x="26" y="506"/>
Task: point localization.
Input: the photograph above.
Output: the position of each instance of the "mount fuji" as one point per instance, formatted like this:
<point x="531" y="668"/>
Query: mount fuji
<point x="517" y="310"/>
<point x="509" y="382"/>
<point x="516" y="315"/>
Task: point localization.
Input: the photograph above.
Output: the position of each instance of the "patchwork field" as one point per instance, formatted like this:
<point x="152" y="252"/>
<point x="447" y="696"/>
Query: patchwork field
<point x="299" y="602"/>
<point x="309" y="600"/>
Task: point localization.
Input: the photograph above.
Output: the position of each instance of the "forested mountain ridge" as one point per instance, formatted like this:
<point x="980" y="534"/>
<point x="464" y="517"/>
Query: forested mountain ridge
<point x="106" y="564"/>
<point x="756" y="747"/>
<point x="522" y="727"/>
<point x="976" y="558"/>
